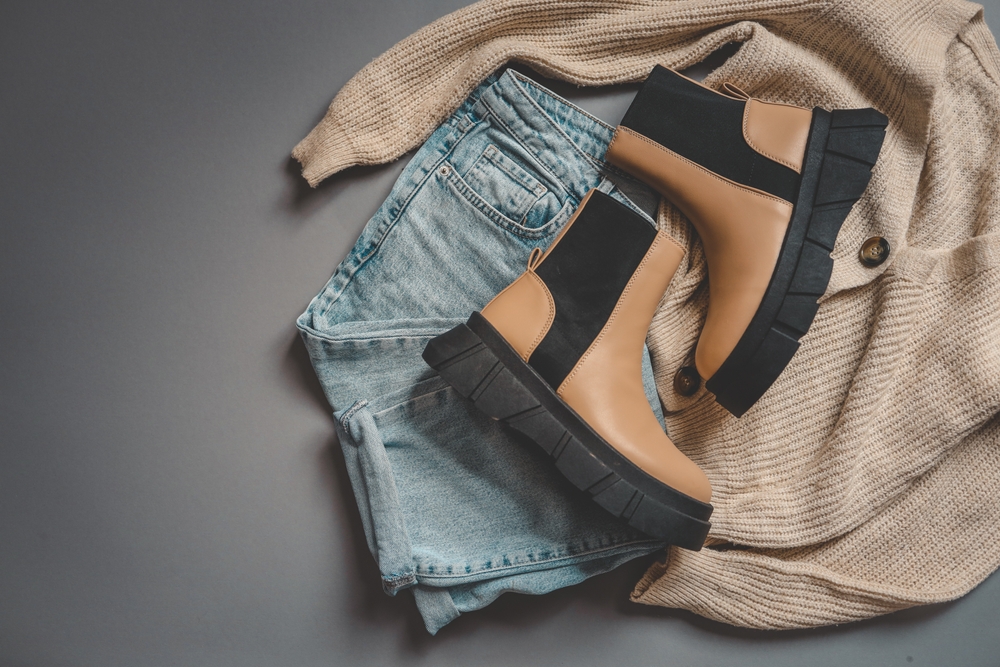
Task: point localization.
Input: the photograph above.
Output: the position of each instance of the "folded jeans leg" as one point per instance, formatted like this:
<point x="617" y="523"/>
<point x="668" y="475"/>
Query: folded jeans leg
<point x="454" y="504"/>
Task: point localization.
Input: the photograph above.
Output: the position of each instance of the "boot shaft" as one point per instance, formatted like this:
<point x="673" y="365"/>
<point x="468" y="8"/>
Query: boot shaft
<point x="558" y="307"/>
<point x="586" y="272"/>
<point x="747" y="141"/>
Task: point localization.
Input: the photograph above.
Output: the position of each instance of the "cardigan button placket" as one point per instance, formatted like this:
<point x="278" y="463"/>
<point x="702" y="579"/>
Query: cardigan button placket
<point x="874" y="251"/>
<point x="687" y="381"/>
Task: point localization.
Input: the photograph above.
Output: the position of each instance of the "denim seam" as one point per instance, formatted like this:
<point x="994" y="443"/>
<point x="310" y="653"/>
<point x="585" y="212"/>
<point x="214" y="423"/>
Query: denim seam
<point x="514" y="135"/>
<point x="423" y="181"/>
<point x="394" y="583"/>
<point x="429" y="575"/>
<point x="410" y="399"/>
<point x="492" y="159"/>
<point x="539" y="190"/>
<point x="524" y="218"/>
<point x="469" y="194"/>
<point x="364" y="338"/>
<point x="351" y="411"/>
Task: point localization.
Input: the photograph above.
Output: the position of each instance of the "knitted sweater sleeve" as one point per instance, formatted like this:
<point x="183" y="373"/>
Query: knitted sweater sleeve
<point x="395" y="102"/>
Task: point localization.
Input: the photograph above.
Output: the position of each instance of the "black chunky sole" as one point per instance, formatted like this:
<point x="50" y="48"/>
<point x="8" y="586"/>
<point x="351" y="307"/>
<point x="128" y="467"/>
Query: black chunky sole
<point x="476" y="360"/>
<point x="841" y="151"/>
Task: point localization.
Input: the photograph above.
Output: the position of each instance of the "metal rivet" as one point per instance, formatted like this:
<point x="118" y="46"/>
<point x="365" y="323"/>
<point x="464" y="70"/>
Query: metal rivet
<point x="444" y="170"/>
<point x="874" y="251"/>
<point x="687" y="381"/>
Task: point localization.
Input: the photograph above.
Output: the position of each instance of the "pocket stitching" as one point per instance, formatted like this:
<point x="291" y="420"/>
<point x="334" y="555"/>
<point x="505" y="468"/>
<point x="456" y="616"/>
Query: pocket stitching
<point x="456" y="182"/>
<point x="500" y="161"/>
<point x="497" y="159"/>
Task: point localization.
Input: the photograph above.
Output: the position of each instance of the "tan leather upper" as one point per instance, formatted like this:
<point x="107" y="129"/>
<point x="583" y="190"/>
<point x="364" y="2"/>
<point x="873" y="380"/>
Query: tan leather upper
<point x="523" y="312"/>
<point x="741" y="228"/>
<point x="605" y="386"/>
<point x="777" y="131"/>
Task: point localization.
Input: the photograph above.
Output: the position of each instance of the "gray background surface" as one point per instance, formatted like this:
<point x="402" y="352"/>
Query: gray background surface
<point x="171" y="492"/>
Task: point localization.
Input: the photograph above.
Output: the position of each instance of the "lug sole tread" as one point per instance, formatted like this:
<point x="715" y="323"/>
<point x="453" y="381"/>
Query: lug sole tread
<point x="475" y="360"/>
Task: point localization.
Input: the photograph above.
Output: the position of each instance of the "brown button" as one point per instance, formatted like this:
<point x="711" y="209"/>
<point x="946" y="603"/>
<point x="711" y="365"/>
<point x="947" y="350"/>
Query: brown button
<point x="687" y="381"/>
<point x="874" y="251"/>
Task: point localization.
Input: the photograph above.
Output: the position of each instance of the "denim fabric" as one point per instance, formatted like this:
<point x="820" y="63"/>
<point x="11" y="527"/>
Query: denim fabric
<point x="455" y="506"/>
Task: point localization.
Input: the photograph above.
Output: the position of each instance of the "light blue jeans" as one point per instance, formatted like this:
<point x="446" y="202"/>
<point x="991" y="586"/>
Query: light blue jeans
<point x="454" y="506"/>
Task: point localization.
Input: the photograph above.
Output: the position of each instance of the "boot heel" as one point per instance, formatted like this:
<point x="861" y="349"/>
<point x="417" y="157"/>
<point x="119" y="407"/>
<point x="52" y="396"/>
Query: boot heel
<point x="843" y="147"/>
<point x="475" y="360"/>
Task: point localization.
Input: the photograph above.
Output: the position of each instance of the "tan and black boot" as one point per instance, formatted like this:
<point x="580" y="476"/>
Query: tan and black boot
<point x="557" y="356"/>
<point x="767" y="187"/>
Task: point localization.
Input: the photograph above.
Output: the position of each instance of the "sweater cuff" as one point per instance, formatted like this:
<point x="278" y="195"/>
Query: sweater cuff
<point x="325" y="151"/>
<point x="756" y="591"/>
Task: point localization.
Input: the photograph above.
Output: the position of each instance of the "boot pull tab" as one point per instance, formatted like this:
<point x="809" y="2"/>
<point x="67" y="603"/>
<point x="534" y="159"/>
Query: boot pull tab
<point x="534" y="258"/>
<point x="734" y="91"/>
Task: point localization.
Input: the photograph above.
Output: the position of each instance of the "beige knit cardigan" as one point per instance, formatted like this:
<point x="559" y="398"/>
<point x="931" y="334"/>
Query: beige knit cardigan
<point x="867" y="479"/>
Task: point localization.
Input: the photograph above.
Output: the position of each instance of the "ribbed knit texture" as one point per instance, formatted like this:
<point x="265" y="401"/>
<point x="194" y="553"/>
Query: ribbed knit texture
<point x="866" y="479"/>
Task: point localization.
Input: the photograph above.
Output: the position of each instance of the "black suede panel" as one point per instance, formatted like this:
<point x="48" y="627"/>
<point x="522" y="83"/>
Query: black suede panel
<point x="586" y="274"/>
<point x="706" y="128"/>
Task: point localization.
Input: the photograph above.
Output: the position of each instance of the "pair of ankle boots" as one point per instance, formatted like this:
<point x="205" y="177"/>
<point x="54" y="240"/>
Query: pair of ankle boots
<point x="557" y="354"/>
